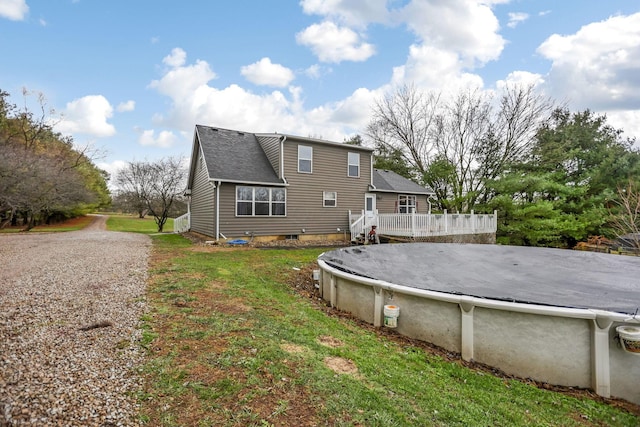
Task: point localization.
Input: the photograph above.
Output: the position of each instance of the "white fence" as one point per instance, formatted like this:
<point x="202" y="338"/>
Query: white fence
<point x="182" y="223"/>
<point x="424" y="225"/>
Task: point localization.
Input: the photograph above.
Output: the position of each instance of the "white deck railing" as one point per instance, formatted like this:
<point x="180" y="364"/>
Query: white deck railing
<point x="424" y="225"/>
<point x="182" y="223"/>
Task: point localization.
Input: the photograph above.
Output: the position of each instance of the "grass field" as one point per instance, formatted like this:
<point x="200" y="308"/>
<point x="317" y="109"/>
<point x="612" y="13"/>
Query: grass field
<point x="134" y="224"/>
<point x="232" y="343"/>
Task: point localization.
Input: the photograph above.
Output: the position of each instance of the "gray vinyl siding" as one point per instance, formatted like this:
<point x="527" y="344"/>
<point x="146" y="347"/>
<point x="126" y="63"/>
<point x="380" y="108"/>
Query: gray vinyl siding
<point x="304" y="195"/>
<point x="271" y="147"/>
<point x="386" y="202"/>
<point x="202" y="201"/>
<point x="330" y="173"/>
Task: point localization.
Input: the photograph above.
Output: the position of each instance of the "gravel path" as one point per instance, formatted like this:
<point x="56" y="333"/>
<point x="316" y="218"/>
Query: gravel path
<point x="70" y="305"/>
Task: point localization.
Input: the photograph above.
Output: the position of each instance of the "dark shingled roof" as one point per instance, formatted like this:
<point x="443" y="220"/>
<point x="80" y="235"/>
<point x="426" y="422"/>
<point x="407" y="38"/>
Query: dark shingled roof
<point x="386" y="180"/>
<point x="235" y="156"/>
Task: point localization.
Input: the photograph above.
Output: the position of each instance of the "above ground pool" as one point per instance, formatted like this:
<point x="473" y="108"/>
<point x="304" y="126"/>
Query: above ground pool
<point x="556" y="316"/>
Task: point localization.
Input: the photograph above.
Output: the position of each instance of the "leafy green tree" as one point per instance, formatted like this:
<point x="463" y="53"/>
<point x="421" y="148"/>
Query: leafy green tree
<point x="558" y="194"/>
<point x="354" y="140"/>
<point x="392" y="159"/>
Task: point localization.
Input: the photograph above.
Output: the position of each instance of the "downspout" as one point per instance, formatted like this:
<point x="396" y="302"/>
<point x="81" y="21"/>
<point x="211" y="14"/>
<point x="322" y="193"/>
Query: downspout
<point x="218" y="210"/>
<point x="281" y="168"/>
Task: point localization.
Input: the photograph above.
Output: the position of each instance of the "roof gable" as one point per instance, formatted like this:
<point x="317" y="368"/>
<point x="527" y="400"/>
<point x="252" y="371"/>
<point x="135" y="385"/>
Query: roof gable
<point x="235" y="156"/>
<point x="386" y="180"/>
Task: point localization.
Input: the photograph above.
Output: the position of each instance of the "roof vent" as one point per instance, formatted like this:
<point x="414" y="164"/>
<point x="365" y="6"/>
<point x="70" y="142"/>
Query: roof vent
<point x="216" y="129"/>
<point x="241" y="133"/>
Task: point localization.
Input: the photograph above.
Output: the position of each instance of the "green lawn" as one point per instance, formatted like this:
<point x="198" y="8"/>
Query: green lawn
<point x="134" y="224"/>
<point x="231" y="343"/>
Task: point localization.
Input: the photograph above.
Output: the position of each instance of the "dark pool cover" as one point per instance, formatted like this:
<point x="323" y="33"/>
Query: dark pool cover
<point x="544" y="276"/>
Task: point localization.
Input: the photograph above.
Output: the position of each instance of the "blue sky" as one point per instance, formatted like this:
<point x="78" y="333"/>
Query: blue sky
<point x="132" y="78"/>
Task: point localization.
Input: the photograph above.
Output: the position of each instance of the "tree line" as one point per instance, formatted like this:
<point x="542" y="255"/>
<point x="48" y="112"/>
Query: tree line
<point x="44" y="177"/>
<point x="555" y="177"/>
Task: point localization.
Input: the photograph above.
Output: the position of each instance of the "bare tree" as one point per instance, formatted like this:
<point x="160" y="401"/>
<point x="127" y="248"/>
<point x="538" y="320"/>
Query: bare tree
<point x="461" y="130"/>
<point x="405" y="120"/>
<point x="134" y="184"/>
<point x="626" y="221"/>
<point x="457" y="145"/>
<point x="156" y="184"/>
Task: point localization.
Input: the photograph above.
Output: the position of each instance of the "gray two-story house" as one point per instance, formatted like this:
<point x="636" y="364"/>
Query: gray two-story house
<point x="273" y="186"/>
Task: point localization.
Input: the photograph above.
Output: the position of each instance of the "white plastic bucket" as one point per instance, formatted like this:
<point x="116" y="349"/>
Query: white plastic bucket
<point x="629" y="338"/>
<point x="391" y="313"/>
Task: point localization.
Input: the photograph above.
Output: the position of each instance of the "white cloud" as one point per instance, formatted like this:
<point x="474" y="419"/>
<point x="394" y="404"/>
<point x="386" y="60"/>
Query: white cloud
<point x="181" y="79"/>
<point x="349" y="12"/>
<point x="467" y="28"/>
<point x="628" y="121"/>
<point x="516" y="18"/>
<point x="112" y="169"/>
<point x="164" y="139"/>
<point x="264" y="72"/>
<point x="598" y="67"/>
<point x="176" y="58"/>
<point x="194" y="100"/>
<point x="15" y="10"/>
<point x="355" y="111"/>
<point x="87" y="115"/>
<point x="432" y="68"/>
<point x="521" y="78"/>
<point x="126" y="106"/>
<point x="331" y="43"/>
<point x="313" y="72"/>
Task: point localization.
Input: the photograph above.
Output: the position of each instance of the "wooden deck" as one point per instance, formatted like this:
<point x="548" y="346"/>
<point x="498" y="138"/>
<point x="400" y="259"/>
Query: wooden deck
<point x="423" y="225"/>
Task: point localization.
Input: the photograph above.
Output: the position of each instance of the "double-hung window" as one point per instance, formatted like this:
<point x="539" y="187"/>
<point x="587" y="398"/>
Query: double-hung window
<point x="329" y="199"/>
<point x="353" y="165"/>
<point x="305" y="159"/>
<point x="260" y="201"/>
<point x="406" y="203"/>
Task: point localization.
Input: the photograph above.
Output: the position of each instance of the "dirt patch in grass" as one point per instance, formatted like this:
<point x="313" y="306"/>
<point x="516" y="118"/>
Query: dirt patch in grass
<point x="341" y="365"/>
<point x="293" y="348"/>
<point x="330" y="341"/>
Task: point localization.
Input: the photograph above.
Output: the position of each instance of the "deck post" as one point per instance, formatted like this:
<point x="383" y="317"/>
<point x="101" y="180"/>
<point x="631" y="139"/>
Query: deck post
<point x="446" y="222"/>
<point x="413" y="224"/>
<point x="473" y="222"/>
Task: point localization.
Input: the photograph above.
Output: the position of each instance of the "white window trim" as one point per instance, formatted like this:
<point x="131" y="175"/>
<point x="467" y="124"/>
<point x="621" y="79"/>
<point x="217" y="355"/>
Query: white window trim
<point x="325" y="199"/>
<point x="310" y="159"/>
<point x="407" y="205"/>
<point x="349" y="164"/>
<point x="253" y="201"/>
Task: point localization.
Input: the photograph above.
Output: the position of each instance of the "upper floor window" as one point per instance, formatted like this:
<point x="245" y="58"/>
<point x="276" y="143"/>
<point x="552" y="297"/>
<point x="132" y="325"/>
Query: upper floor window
<point x="305" y="159"/>
<point x="406" y="203"/>
<point x="354" y="165"/>
<point x="260" y="201"/>
<point x="329" y="199"/>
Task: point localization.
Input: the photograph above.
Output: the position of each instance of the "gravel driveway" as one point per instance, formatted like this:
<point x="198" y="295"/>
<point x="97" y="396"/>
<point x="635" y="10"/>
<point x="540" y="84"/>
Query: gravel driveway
<point x="70" y="305"/>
